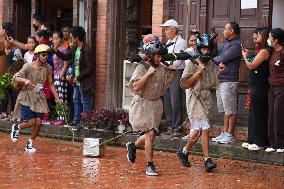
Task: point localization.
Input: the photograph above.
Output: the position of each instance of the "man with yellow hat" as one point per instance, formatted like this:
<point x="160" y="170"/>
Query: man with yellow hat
<point x="31" y="103"/>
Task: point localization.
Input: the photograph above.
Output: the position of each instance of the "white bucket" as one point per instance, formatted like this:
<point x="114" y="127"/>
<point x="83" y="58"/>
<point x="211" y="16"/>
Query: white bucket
<point x="92" y="147"/>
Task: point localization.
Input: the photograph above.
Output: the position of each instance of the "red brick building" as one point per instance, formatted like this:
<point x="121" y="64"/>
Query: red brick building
<point x="114" y="28"/>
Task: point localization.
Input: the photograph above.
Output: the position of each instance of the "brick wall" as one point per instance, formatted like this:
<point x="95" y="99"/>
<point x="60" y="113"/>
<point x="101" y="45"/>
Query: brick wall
<point x="101" y="53"/>
<point x="6" y="12"/>
<point x="160" y="14"/>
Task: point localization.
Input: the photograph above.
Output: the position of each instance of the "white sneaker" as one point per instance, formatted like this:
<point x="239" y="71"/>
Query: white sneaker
<point x="216" y="139"/>
<point x="254" y="147"/>
<point x="29" y="147"/>
<point x="186" y="137"/>
<point x="228" y="138"/>
<point x="280" y="150"/>
<point x="245" y="145"/>
<point x="15" y="132"/>
<point x="270" y="150"/>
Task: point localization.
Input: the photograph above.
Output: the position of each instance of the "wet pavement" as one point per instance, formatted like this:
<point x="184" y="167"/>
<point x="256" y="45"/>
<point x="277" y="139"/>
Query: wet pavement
<point x="60" y="164"/>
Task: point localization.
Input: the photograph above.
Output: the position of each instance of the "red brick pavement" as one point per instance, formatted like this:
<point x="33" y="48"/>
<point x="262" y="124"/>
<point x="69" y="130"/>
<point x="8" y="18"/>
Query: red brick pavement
<point x="60" y="164"/>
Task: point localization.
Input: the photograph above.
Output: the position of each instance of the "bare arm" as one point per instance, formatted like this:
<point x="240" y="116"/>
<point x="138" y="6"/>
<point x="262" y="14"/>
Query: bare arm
<point x="64" y="56"/>
<point x="19" y="44"/>
<point x="138" y="85"/>
<point x="191" y="81"/>
<point x="66" y="63"/>
<point x="260" y="57"/>
<point x="52" y="88"/>
<point x="23" y="80"/>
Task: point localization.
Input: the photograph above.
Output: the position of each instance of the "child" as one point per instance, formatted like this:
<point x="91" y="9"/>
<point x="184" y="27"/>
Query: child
<point x="31" y="102"/>
<point x="29" y="55"/>
<point x="149" y="81"/>
<point x="201" y="81"/>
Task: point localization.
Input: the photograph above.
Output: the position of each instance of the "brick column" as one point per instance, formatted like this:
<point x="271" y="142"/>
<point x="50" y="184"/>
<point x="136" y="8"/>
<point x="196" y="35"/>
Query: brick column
<point x="5" y="11"/>
<point x="160" y="14"/>
<point x="101" y="53"/>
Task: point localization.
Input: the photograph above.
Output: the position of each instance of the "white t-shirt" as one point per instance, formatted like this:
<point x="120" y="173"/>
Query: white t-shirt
<point x="29" y="57"/>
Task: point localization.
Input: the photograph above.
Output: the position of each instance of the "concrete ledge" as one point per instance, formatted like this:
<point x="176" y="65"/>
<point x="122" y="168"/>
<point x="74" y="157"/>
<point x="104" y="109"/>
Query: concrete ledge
<point x="164" y="143"/>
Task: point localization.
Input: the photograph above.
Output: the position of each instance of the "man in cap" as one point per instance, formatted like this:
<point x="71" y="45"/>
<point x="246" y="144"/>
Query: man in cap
<point x="174" y="97"/>
<point x="31" y="103"/>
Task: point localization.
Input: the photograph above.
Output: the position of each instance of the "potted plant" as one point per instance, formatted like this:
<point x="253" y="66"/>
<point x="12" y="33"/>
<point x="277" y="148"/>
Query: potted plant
<point x="104" y="119"/>
<point x="100" y="120"/>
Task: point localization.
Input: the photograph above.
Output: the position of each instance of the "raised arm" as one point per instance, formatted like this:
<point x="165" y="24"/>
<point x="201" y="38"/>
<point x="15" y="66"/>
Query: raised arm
<point x="140" y="84"/>
<point x="18" y="44"/>
<point x="260" y="57"/>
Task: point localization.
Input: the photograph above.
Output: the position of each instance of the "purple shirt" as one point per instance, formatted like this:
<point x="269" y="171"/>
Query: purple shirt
<point x="58" y="62"/>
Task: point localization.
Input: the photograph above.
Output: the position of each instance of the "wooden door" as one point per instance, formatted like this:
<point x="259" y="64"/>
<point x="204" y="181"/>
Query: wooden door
<point x="224" y="11"/>
<point x="22" y="19"/>
<point x="212" y="15"/>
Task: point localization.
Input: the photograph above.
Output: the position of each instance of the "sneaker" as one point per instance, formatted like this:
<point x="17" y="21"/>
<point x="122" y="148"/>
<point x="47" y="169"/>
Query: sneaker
<point x="59" y="122"/>
<point x="216" y="139"/>
<point x="183" y="158"/>
<point x="75" y="128"/>
<point x="45" y="122"/>
<point x="3" y="117"/>
<point x="254" y="147"/>
<point x="227" y="138"/>
<point x="8" y="118"/>
<point x="15" y="132"/>
<point x="74" y="123"/>
<point x="131" y="151"/>
<point x="280" y="150"/>
<point x="209" y="165"/>
<point x="245" y="145"/>
<point x="270" y="150"/>
<point x="29" y="147"/>
<point x="151" y="171"/>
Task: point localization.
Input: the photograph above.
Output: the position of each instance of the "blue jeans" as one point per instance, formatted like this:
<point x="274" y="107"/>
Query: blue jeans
<point x="84" y="96"/>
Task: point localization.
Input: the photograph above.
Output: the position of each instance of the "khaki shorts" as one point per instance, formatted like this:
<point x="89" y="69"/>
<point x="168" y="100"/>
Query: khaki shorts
<point x="227" y="99"/>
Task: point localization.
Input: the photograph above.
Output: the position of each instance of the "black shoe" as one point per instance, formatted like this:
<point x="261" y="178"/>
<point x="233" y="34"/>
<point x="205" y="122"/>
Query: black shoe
<point x="75" y="128"/>
<point x="74" y="123"/>
<point x="209" y="165"/>
<point x="177" y="132"/>
<point x="131" y="151"/>
<point x="151" y="170"/>
<point x="183" y="158"/>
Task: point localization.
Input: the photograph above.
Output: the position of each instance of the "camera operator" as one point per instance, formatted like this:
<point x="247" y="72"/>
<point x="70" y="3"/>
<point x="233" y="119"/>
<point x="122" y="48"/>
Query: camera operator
<point x="174" y="97"/>
<point x="200" y="83"/>
<point x="148" y="82"/>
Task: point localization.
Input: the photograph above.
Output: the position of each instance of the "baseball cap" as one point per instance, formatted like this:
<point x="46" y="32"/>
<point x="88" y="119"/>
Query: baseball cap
<point x="170" y="23"/>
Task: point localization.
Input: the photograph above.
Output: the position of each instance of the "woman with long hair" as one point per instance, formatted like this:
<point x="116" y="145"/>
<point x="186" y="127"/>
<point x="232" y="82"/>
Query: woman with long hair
<point x="258" y="87"/>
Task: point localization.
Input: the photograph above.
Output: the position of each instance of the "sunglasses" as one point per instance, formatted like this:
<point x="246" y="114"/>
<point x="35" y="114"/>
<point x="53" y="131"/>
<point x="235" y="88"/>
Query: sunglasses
<point x="44" y="54"/>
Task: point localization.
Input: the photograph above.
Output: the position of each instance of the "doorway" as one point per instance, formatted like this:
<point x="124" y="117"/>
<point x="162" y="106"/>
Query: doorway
<point x="278" y="14"/>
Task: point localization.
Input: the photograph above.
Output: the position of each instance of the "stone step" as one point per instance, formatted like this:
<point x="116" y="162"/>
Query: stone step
<point x="163" y="142"/>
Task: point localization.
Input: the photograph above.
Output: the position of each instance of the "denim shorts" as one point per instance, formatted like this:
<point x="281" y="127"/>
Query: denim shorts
<point x="27" y="114"/>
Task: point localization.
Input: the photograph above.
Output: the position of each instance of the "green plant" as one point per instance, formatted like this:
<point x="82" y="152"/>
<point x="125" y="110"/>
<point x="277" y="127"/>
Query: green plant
<point x="5" y="83"/>
<point x="104" y="119"/>
<point x="61" y="110"/>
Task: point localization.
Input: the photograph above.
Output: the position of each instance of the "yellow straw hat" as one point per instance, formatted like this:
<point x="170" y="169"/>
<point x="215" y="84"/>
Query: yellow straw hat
<point x="42" y="48"/>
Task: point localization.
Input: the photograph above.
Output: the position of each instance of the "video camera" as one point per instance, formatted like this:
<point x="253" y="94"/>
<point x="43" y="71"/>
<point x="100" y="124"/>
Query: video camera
<point x="170" y="57"/>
